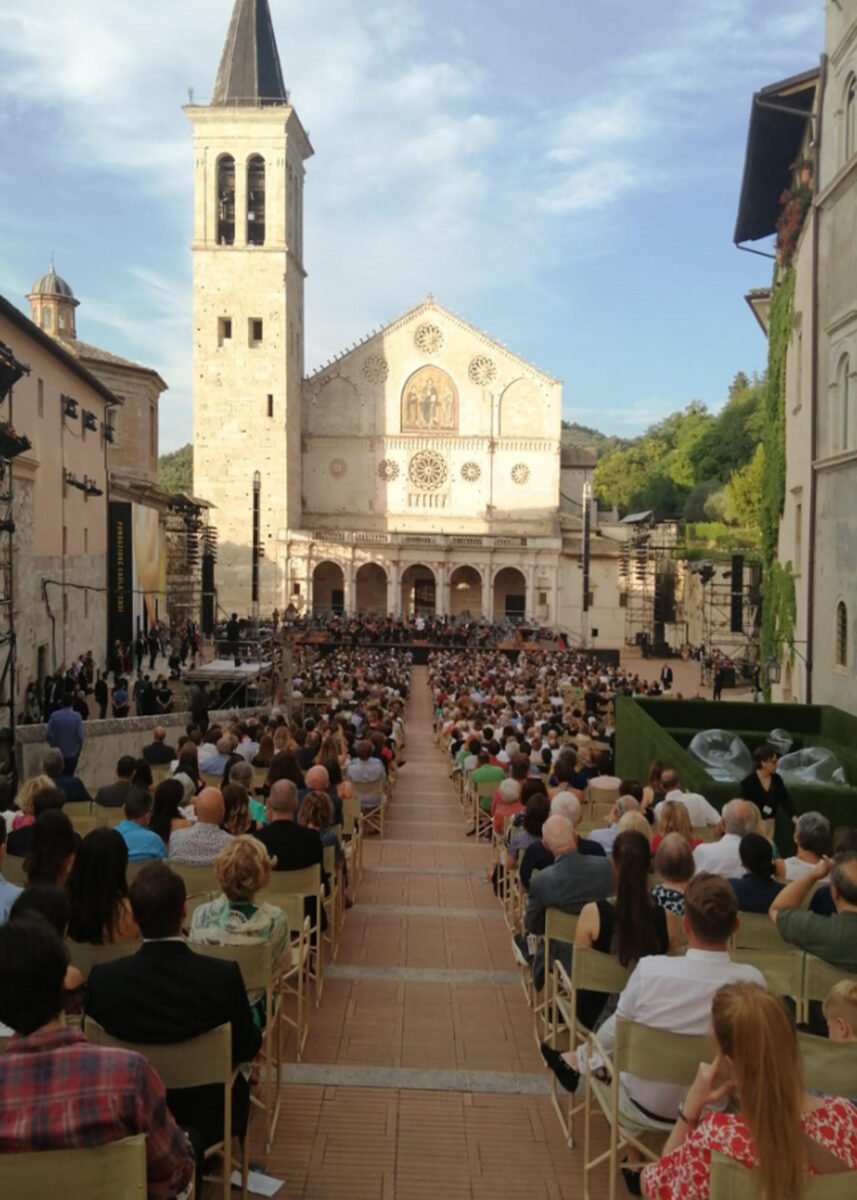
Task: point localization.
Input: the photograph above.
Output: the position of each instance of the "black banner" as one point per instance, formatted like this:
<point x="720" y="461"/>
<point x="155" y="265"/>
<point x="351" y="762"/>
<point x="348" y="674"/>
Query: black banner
<point x="120" y="613"/>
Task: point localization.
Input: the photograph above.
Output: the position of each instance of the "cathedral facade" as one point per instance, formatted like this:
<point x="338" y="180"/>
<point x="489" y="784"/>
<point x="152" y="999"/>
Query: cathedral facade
<point x="420" y="471"/>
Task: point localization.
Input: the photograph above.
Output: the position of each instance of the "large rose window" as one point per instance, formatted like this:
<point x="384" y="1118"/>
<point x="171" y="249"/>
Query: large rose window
<point x="428" y="470"/>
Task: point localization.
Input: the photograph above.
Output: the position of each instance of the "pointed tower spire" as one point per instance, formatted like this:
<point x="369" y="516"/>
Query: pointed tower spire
<point x="250" y="72"/>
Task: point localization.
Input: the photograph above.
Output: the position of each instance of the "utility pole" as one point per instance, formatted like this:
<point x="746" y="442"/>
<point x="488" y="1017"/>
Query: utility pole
<point x="587" y="533"/>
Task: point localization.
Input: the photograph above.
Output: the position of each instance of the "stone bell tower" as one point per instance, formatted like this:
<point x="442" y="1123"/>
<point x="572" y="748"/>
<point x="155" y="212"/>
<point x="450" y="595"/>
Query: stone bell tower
<point x="248" y="309"/>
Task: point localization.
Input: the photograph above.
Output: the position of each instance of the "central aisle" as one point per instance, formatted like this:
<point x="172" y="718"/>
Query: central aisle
<point x="421" y="1077"/>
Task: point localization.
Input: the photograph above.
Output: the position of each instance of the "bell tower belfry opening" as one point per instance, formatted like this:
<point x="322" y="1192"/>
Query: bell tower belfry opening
<point x="248" y="320"/>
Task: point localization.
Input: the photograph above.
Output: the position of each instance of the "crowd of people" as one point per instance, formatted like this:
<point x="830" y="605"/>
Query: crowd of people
<point x="660" y="882"/>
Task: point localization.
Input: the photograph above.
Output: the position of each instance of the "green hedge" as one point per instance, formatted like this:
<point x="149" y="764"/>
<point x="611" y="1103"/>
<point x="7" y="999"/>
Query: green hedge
<point x="649" y="729"/>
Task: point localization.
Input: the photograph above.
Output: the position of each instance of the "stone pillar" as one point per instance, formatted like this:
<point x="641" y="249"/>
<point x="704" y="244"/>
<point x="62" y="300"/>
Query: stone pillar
<point x="240" y="209"/>
<point x="349" y="585"/>
<point x="530" y="604"/>
<point x="394" y="590"/>
<point x="484" y="569"/>
<point x="443" y="594"/>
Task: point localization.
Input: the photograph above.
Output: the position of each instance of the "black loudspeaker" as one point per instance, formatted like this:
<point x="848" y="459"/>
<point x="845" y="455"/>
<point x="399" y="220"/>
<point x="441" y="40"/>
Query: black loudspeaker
<point x="737" y="608"/>
<point x="208" y="596"/>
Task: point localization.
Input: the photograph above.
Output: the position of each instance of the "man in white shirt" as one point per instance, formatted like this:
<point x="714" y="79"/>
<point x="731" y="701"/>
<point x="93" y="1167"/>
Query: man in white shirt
<point x="724" y="857"/>
<point x="674" y="993"/>
<point x="812" y="837"/>
<point x="698" y="808"/>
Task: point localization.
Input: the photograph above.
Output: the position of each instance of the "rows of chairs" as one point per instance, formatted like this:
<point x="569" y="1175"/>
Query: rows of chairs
<point x="645" y="1052"/>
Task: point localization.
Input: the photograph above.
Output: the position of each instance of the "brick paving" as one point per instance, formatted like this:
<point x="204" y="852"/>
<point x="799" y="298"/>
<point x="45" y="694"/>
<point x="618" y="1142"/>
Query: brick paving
<point x="421" y="1076"/>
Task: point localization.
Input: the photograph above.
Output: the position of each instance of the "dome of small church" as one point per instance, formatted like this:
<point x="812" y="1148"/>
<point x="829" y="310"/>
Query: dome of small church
<point x="52" y="285"/>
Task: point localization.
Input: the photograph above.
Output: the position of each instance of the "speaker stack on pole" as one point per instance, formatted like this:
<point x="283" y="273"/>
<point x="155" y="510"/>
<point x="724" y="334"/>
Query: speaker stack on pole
<point x="737" y="606"/>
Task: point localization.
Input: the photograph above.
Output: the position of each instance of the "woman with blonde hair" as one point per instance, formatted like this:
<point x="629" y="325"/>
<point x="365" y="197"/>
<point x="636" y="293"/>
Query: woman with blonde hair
<point x="24" y="800"/>
<point x="675" y="818"/>
<point x="635" y="822"/>
<point x="243" y="868"/>
<point x="778" y="1128"/>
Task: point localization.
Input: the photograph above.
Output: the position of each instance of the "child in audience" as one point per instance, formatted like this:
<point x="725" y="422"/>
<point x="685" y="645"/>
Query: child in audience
<point x="840" y="1011"/>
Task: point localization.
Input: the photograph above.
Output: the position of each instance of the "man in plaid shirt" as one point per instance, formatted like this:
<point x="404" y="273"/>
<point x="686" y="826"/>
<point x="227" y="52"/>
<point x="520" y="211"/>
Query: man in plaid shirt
<point x="58" y="1092"/>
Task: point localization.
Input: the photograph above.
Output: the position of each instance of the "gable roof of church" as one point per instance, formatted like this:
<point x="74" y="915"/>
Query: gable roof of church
<point x="425" y="308"/>
<point x="250" y="72"/>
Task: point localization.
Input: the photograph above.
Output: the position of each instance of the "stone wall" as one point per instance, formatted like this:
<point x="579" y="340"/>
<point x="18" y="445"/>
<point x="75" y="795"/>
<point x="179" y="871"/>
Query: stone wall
<point x="105" y="743"/>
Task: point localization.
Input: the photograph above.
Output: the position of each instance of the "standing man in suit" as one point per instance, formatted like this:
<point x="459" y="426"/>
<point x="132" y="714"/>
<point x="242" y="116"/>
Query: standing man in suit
<point x="168" y="993"/>
<point x="113" y="795"/>
<point x="573" y="880"/>
<point x="65" y="733"/>
<point x="667" y="677"/>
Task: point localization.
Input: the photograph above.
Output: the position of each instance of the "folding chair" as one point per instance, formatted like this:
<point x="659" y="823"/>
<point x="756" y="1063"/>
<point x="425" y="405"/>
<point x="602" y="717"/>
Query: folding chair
<point x="352" y="840"/>
<point x="706" y="833"/>
<point x="828" y="1067"/>
<point x="206" y="1059"/>
<point x="374" y="814"/>
<point x="107" y="818"/>
<point x="591" y="971"/>
<point x="116" y="1171"/>
<point x="13" y="869"/>
<point x="333" y="903"/>
<point x="160" y="772"/>
<point x="596" y="795"/>
<point x="294" y="978"/>
<point x="85" y="957"/>
<point x="198" y="881"/>
<point x="260" y="974"/>
<point x="756" y="931"/>
<point x="782" y="968"/>
<point x="730" y="1180"/>
<point x="304" y="884"/>
<point x="820" y="976"/>
<point x="260" y="778"/>
<point x="480" y="815"/>
<point x="655" y="1055"/>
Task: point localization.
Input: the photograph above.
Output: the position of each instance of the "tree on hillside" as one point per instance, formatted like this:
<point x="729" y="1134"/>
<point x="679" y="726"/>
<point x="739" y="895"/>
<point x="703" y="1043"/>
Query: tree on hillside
<point x="744" y="491"/>
<point x="175" y="471"/>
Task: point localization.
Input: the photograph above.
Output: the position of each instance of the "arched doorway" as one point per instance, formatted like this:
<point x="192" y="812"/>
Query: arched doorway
<point x="465" y="593"/>
<point x="510" y="595"/>
<point x="371" y="589"/>
<point x="328" y="588"/>
<point x="419" y="591"/>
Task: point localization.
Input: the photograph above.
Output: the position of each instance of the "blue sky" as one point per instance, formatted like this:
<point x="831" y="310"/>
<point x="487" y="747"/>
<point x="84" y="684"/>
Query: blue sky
<point x="562" y="174"/>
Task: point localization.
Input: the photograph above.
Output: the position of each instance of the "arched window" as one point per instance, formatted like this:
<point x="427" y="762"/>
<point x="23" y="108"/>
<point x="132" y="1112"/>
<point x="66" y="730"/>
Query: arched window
<point x="841" y="635"/>
<point x="850" y="117"/>
<point x="226" y="200"/>
<point x="843" y="388"/>
<point x="256" y="201"/>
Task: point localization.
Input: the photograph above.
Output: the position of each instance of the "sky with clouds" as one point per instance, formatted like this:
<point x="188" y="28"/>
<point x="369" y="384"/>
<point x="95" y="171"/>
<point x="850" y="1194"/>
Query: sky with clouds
<point x="563" y="174"/>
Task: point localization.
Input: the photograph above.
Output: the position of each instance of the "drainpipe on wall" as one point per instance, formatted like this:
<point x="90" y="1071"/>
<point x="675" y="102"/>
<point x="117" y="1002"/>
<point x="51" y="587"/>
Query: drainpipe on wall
<point x="813" y="437"/>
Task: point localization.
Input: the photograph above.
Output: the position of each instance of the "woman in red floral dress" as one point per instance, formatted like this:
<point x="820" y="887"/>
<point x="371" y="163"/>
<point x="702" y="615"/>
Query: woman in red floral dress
<point x="779" y="1128"/>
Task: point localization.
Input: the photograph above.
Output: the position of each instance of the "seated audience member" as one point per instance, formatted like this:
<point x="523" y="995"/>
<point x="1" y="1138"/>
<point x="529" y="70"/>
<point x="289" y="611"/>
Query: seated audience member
<point x="167" y="993"/>
<point x="840" y="1012"/>
<point x="674" y="818"/>
<point x="24" y="799"/>
<point x="143" y="777"/>
<point x="19" y="841"/>
<point x="9" y="892"/>
<point x="674" y="993"/>
<point x="242" y="868"/>
<point x="366" y="769"/>
<point x="844" y="839"/>
<point x="317" y="779"/>
<point x="757" y="887"/>
<point x="187" y="772"/>
<point x="606" y="837"/>
<point x="573" y="880"/>
<point x="53" y="904"/>
<point x="79" y="1086"/>
<point x="628" y="925"/>
<point x="488" y="774"/>
<point x="213" y="758"/>
<point x="158" y="752"/>
<point x="98" y="891"/>
<point x="653" y="792"/>
<point x="52" y="849"/>
<point x="293" y="846"/>
<point x="506" y="802"/>
<point x="142" y="842"/>
<point x="724" y="857"/>
<point x="674" y="863"/>
<point x="833" y="939"/>
<point x="812" y="838"/>
<point x="316" y="812"/>
<point x="112" y="795"/>
<point x="698" y="808"/>
<point x="778" y="1128"/>
<point x="236" y="809"/>
<point x="53" y="766"/>
<point x="764" y="787"/>
<point x="284" y="765"/>
<point x="527" y="829"/>
<point x="635" y="822"/>
<point x="165" y="818"/>
<point x="263" y="756"/>
<point x="200" y="844"/>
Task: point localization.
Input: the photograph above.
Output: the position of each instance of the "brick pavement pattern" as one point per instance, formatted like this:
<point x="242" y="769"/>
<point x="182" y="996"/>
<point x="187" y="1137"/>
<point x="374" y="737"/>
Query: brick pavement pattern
<point x="422" y="1078"/>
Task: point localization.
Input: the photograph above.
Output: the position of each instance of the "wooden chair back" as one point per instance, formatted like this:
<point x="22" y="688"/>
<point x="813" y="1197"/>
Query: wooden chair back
<point x="198" y="881"/>
<point x="13" y="869"/>
<point x="85" y="957"/>
<point x="820" y="976"/>
<point x="107" y="818"/>
<point x="783" y="968"/>
<point x="730" y="1180"/>
<point x="116" y="1171"/>
<point x="756" y="931"/>
<point x="829" y="1067"/>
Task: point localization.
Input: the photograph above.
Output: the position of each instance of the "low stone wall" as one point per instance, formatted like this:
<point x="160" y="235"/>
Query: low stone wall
<point x="106" y="741"/>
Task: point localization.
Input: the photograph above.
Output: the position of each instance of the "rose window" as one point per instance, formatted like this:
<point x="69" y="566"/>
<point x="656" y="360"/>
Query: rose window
<point x="338" y="467"/>
<point x="428" y="470"/>
<point x="520" y="473"/>
<point x="483" y="370"/>
<point x="388" y="470"/>
<point x="429" y="339"/>
<point x="471" y="472"/>
<point x="375" y="369"/>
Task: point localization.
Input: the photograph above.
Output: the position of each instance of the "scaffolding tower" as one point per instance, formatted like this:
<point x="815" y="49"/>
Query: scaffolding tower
<point x="11" y="445"/>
